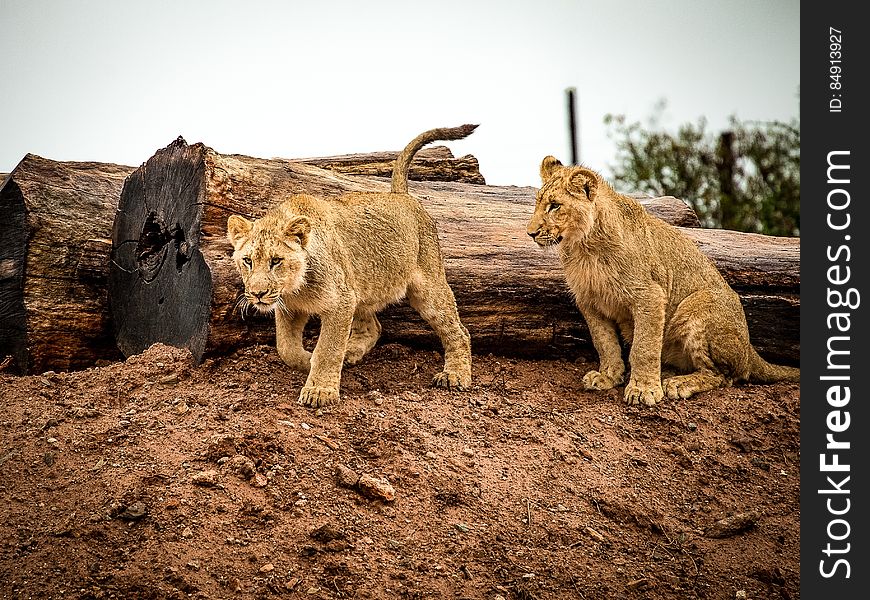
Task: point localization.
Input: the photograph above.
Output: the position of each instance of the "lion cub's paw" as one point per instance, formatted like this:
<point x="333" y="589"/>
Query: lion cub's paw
<point x="680" y="387"/>
<point x="648" y="395"/>
<point x="353" y="356"/>
<point x="298" y="361"/>
<point x="317" y="396"/>
<point x="452" y="381"/>
<point x="596" y="380"/>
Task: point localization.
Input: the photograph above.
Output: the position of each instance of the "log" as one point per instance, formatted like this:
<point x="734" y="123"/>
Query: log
<point x="55" y="227"/>
<point x="513" y="298"/>
<point x="55" y="223"/>
<point x="435" y="163"/>
<point x="171" y="278"/>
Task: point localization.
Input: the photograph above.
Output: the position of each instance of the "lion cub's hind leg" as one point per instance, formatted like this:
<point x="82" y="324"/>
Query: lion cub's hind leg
<point x="433" y="299"/>
<point x="364" y="334"/>
<point x="705" y="337"/>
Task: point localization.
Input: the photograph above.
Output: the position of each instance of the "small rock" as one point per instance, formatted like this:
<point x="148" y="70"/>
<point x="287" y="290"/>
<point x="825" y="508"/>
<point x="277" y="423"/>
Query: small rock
<point x="732" y="525"/>
<point x="169" y="379"/>
<point x="346" y="477"/>
<point x="51" y="440"/>
<point x="740" y="595"/>
<point x="268" y="567"/>
<point x="327" y="533"/>
<point x="594" y="534"/>
<point x="134" y="512"/>
<point x="305" y="426"/>
<point x="411" y="396"/>
<point x="431" y="455"/>
<point x="376" y="489"/>
<point x="242" y="466"/>
<point x="187" y="533"/>
<point x="205" y="478"/>
<point x="182" y="408"/>
<point x="468" y="451"/>
<point x="193" y="565"/>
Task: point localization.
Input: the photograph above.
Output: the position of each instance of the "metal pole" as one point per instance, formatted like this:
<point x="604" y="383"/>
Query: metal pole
<point x="572" y="126"/>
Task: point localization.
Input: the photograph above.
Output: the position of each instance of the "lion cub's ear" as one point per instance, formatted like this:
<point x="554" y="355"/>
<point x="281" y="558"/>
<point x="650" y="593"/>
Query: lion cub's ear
<point x="238" y="230"/>
<point x="549" y="166"/>
<point x="297" y="230"/>
<point x="583" y="180"/>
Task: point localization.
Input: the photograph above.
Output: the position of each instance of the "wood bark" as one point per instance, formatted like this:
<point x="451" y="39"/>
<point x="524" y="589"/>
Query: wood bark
<point x="55" y="223"/>
<point x="55" y="228"/>
<point x="172" y="280"/>
<point x="435" y="163"/>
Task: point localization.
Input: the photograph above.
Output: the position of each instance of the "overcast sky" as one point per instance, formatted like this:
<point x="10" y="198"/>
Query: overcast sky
<point x="114" y="80"/>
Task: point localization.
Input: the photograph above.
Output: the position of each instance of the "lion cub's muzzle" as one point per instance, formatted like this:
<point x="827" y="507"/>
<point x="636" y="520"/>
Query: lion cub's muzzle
<point x="263" y="301"/>
<point x="544" y="239"/>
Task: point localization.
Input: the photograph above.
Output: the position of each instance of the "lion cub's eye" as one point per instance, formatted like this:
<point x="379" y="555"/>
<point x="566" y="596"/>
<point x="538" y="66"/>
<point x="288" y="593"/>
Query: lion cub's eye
<point x="247" y="261"/>
<point x="553" y="207"/>
<point x="275" y="262"/>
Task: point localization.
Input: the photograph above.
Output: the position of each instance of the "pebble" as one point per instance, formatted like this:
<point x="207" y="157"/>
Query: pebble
<point x="205" y="478"/>
<point x="411" y="396"/>
<point x="468" y="451"/>
<point x="431" y="455"/>
<point x="375" y="488"/>
<point x="134" y="512"/>
<point x="267" y="568"/>
<point x="346" y="477"/>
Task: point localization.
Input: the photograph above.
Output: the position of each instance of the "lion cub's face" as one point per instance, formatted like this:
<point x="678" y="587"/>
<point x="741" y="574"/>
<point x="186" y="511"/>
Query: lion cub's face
<point x="564" y="205"/>
<point x="270" y="256"/>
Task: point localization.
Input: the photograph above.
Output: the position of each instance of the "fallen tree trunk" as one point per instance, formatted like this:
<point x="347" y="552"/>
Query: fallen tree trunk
<point x="55" y="221"/>
<point x="172" y="280"/>
<point x="55" y="227"/>
<point x="435" y="163"/>
<point x="513" y="297"/>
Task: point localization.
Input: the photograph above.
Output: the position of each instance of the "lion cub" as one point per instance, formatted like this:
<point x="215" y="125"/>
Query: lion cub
<point x="636" y="276"/>
<point x="345" y="259"/>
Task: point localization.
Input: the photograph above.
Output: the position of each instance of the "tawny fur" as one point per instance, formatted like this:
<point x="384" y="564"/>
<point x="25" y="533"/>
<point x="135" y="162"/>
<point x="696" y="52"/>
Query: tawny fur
<point x="344" y="259"/>
<point x="638" y="280"/>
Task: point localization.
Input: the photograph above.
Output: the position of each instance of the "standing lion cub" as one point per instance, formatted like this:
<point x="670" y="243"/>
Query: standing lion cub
<point x="345" y="259"/>
<point x="636" y="276"/>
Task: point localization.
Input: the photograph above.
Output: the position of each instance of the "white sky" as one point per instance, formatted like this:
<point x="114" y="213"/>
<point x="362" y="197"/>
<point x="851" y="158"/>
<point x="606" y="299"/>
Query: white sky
<point x="114" y="80"/>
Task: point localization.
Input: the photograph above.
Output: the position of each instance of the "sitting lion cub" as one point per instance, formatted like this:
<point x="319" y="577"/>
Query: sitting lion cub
<point x="345" y="259"/>
<point x="636" y="276"/>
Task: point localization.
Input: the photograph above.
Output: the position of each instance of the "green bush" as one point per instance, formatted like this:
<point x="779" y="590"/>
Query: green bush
<point x="746" y="178"/>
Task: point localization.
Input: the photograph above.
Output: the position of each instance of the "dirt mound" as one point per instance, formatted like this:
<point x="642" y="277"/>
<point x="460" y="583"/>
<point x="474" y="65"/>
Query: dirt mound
<point x="155" y="478"/>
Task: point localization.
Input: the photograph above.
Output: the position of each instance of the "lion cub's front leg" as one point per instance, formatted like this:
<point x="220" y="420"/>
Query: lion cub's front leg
<point x="645" y="384"/>
<point x="321" y="387"/>
<point x="288" y="339"/>
<point x="611" y="368"/>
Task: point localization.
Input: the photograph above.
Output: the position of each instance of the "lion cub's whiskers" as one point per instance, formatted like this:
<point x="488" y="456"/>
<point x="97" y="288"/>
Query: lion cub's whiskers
<point x="242" y="305"/>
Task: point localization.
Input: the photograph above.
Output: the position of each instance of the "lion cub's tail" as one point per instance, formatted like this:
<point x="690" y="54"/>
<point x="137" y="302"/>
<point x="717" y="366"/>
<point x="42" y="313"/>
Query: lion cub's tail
<point x="761" y="371"/>
<point x="403" y="162"/>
